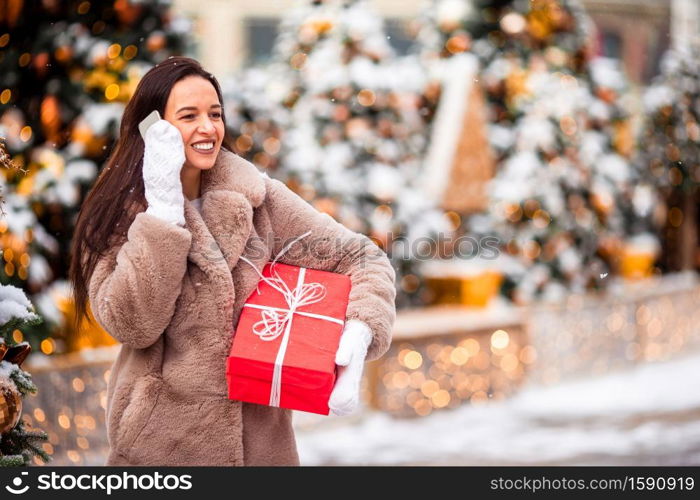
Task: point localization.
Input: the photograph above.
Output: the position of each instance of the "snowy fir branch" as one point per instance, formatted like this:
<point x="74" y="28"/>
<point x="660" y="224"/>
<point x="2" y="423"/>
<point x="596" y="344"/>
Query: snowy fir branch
<point x="19" y="445"/>
<point x="16" y="311"/>
<point x="21" y="378"/>
<point x="12" y="461"/>
<point x="15" y="323"/>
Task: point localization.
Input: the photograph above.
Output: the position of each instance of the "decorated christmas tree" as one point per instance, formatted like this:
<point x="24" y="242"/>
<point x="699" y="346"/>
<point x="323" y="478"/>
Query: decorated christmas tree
<point x="255" y="116"/>
<point x="66" y="71"/>
<point x="671" y="150"/>
<point x="353" y="136"/>
<point x="561" y="200"/>
<point x="18" y="444"/>
<point x="623" y="189"/>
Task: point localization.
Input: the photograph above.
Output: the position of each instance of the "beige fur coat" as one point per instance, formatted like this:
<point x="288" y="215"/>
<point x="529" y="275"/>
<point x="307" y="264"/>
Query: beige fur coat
<point x="172" y="296"/>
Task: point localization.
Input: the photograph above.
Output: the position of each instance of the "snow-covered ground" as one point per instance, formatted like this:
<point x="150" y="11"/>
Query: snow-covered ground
<point x="649" y="415"/>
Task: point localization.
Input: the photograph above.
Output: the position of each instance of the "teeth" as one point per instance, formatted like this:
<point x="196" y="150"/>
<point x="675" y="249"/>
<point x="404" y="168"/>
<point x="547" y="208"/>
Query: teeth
<point x="206" y="146"/>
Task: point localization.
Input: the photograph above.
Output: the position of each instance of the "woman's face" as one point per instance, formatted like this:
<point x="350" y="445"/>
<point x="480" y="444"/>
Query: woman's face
<point x="194" y="108"/>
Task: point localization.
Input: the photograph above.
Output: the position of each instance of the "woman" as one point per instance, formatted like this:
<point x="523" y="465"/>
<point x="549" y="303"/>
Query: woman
<point x="157" y="252"/>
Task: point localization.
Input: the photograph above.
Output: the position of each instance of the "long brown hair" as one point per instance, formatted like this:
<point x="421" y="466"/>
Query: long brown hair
<point x="118" y="193"/>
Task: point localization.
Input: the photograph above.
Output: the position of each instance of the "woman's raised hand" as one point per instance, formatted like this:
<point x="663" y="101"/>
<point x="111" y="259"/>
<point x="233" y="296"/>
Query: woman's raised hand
<point x="163" y="157"/>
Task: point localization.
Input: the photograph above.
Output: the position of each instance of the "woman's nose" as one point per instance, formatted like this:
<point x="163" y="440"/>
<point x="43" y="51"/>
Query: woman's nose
<point x="206" y="126"/>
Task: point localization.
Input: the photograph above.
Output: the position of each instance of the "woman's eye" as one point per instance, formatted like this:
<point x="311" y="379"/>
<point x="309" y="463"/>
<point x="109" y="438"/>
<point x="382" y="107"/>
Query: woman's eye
<point x="187" y="117"/>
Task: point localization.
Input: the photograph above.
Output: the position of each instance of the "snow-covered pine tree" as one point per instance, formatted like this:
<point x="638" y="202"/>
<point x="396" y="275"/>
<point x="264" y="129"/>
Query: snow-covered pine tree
<point x="671" y="136"/>
<point x="18" y="444"/>
<point x="255" y="116"/>
<point x="559" y="132"/>
<point x="5" y="163"/>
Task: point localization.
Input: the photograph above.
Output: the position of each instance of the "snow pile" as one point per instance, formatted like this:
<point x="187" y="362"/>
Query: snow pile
<point x="14" y="305"/>
<point x="645" y="416"/>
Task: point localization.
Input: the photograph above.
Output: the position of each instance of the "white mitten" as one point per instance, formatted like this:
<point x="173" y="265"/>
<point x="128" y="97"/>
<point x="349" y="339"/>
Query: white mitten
<point x="350" y="359"/>
<point x="163" y="157"/>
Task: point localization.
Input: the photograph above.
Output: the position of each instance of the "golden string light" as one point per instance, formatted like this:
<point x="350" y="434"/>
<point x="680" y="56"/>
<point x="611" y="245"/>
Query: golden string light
<point x="298" y="60"/>
<point x="26" y="133"/>
<point x="47" y="346"/>
<point x="410" y="283"/>
<point x="130" y="52"/>
<point x="648" y="320"/>
<point x="262" y="159"/>
<point x="63" y="53"/>
<point x="17" y="336"/>
<point x="568" y="125"/>
<point x="83" y="8"/>
<point x="25" y="58"/>
<point x="366" y="97"/>
<point x="271" y="145"/>
<point x="457" y="43"/>
<point x="420" y="375"/>
<point x="427" y="370"/>
<point x="111" y="91"/>
<point x="244" y="143"/>
<point x="70" y="405"/>
<point x="675" y="217"/>
<point x="114" y="50"/>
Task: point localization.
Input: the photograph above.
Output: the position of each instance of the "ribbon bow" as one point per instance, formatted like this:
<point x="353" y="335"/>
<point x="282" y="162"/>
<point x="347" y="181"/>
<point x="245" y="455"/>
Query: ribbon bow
<point x="273" y="324"/>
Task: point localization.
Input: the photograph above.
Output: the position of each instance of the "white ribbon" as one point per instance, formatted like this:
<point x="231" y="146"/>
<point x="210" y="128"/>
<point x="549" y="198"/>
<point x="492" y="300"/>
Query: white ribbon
<point x="277" y="321"/>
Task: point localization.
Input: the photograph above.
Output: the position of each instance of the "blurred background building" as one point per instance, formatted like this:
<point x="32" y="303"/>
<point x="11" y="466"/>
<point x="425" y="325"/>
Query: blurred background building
<point x="234" y="33"/>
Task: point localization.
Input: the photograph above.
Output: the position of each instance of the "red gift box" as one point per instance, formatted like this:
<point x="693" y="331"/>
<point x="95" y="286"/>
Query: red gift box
<point x="283" y="351"/>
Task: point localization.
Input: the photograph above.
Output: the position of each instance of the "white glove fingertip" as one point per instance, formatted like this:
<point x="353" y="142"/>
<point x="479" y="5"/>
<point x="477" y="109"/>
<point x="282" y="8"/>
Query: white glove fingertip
<point x="343" y="408"/>
<point x="343" y="355"/>
<point x="174" y="135"/>
<point x="157" y="128"/>
<point x="335" y="413"/>
<point x="165" y="131"/>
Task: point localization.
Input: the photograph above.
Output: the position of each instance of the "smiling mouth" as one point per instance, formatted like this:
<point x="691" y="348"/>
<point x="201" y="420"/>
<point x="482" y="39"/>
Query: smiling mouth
<point x="204" y="147"/>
